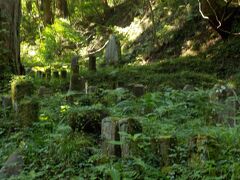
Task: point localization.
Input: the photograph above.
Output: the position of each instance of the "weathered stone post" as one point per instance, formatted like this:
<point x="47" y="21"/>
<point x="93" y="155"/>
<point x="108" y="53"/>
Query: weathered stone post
<point x="113" y="51"/>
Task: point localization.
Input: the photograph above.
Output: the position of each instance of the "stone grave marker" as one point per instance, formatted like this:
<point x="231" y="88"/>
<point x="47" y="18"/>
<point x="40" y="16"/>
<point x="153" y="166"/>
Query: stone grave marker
<point x="113" y="51"/>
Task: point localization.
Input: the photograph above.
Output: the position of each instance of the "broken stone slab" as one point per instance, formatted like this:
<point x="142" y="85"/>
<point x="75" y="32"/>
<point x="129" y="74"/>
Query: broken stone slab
<point x="128" y="126"/>
<point x="113" y="51"/>
<point x="162" y="147"/>
<point x="109" y="134"/>
<point x="13" y="166"/>
<point x="92" y="63"/>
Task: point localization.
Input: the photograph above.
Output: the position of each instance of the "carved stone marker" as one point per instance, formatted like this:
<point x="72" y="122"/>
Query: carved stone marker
<point x="113" y="51"/>
<point x="92" y="63"/>
<point x="12" y="167"/>
<point x="225" y="99"/>
<point x="108" y="135"/>
<point x="162" y="147"/>
<point x="128" y="126"/>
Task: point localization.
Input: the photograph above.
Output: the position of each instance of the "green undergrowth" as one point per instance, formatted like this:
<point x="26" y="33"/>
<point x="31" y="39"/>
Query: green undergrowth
<point x="53" y="150"/>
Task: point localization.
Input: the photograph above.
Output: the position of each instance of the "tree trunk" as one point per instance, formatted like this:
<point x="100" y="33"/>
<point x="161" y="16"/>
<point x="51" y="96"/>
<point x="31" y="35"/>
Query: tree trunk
<point x="62" y="8"/>
<point x="10" y="15"/>
<point x="47" y="12"/>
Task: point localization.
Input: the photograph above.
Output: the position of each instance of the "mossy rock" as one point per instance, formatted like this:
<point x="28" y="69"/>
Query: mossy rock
<point x="27" y="112"/>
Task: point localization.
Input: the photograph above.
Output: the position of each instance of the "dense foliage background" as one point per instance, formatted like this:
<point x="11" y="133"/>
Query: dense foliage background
<point x="188" y="66"/>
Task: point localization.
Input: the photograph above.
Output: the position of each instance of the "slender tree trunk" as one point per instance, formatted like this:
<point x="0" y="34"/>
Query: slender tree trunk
<point x="62" y="8"/>
<point x="47" y="12"/>
<point x="10" y="15"/>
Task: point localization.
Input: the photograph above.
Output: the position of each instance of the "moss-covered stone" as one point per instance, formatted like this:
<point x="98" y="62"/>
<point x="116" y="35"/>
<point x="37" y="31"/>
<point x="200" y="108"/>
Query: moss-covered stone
<point x="27" y="112"/>
<point x="21" y="86"/>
